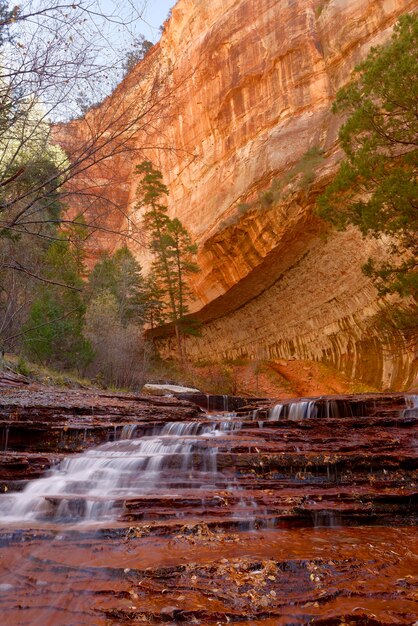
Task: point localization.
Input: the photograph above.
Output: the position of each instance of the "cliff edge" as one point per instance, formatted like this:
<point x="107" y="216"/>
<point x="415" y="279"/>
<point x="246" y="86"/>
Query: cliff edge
<point x="238" y="119"/>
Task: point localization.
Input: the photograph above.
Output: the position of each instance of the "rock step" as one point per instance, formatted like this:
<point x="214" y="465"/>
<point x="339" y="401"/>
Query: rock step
<point x="344" y="434"/>
<point x="180" y="553"/>
<point x="23" y="467"/>
<point x="233" y="507"/>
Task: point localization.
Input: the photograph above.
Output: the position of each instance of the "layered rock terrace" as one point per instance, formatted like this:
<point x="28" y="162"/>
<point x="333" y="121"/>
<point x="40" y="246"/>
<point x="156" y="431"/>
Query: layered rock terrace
<point x="306" y="499"/>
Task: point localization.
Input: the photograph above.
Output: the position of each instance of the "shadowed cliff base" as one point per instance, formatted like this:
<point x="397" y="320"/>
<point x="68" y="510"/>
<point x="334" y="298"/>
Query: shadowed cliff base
<point x="268" y="379"/>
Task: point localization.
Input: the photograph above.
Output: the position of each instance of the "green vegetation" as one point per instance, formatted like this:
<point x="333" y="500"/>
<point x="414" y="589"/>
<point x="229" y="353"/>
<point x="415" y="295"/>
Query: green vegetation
<point x="307" y="166"/>
<point x="22" y="367"/>
<point x="29" y="161"/>
<point x="172" y="249"/>
<point x="56" y="61"/>
<point x="376" y="186"/>
<point x="93" y="324"/>
<point x="43" y="374"/>
<point x="51" y="310"/>
<point x="120" y="276"/>
<point x="53" y="333"/>
<point x="302" y="173"/>
<point x="116" y="310"/>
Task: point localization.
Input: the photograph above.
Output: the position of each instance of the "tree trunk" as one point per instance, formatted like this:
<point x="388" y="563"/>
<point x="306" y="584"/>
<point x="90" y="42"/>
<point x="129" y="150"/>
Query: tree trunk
<point x="179" y="343"/>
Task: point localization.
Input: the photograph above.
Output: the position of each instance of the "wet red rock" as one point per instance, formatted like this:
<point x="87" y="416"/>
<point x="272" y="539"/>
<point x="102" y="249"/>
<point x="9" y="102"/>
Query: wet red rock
<point x="304" y="521"/>
<point x="274" y="577"/>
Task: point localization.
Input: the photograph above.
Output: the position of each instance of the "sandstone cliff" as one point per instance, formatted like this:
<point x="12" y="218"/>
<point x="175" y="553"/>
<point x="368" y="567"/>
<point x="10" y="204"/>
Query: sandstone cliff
<point x="239" y="122"/>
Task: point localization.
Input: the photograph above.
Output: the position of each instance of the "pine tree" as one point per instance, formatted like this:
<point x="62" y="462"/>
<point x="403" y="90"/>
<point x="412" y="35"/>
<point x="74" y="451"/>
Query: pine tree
<point x="153" y="303"/>
<point x="53" y="333"/>
<point x="376" y="186"/>
<point x="121" y="276"/>
<point x="171" y="246"/>
<point x="182" y="252"/>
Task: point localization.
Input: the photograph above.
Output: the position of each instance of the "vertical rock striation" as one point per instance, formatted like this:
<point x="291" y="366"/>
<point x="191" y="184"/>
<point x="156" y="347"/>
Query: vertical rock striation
<point x="242" y="130"/>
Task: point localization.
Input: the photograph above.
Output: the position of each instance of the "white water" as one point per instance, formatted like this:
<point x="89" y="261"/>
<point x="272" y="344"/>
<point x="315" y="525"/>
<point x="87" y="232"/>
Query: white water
<point x="225" y="403"/>
<point x="306" y="409"/>
<point x="175" y="457"/>
<point x="411" y="404"/>
<point x="276" y="412"/>
<point x="293" y="411"/>
<point x="93" y="485"/>
<point x="301" y="410"/>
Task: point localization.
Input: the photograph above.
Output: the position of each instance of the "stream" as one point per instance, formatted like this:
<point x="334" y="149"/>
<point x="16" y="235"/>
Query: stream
<point x="297" y="513"/>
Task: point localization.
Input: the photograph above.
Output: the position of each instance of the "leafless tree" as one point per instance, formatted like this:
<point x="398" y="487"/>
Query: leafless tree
<point x="121" y="354"/>
<point x="58" y="60"/>
<point x="51" y="57"/>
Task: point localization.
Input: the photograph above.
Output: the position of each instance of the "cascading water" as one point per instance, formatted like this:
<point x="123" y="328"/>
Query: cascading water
<point x="411" y="406"/>
<point x="306" y="409"/>
<point x="276" y="412"/>
<point x="302" y="410"/>
<point x="94" y="485"/>
<point x="170" y="460"/>
<point x="156" y="513"/>
<point x="225" y="403"/>
<point x="293" y="411"/>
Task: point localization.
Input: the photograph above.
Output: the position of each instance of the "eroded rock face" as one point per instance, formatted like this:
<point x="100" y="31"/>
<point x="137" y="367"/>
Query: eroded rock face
<point x="244" y="99"/>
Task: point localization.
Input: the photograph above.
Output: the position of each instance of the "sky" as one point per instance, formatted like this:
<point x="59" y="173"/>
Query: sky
<point x="155" y="13"/>
<point x="101" y="32"/>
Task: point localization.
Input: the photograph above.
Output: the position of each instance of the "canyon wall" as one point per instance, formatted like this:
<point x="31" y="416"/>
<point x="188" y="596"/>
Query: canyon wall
<point x="237" y="117"/>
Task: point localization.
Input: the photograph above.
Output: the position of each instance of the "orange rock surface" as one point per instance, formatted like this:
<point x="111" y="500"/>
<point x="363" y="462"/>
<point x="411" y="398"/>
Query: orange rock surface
<point x="233" y="105"/>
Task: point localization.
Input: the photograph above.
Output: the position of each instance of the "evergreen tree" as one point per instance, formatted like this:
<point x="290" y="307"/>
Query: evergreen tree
<point x="171" y="246"/>
<point x="54" y="332"/>
<point x="153" y="302"/>
<point x="121" y="276"/>
<point x="376" y="187"/>
<point x="182" y="252"/>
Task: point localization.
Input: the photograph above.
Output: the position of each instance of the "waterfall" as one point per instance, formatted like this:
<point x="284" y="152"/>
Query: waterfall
<point x="411" y="402"/>
<point x="302" y="410"/>
<point x="93" y="485"/>
<point x="275" y="412"/>
<point x="225" y="404"/>
<point x="310" y="409"/>
<point x="293" y="411"/>
<point x="331" y="409"/>
<point x="128" y="431"/>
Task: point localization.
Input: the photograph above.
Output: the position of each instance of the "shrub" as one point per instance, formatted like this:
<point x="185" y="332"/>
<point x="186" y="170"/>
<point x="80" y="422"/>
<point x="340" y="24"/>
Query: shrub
<point x="120" y="352"/>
